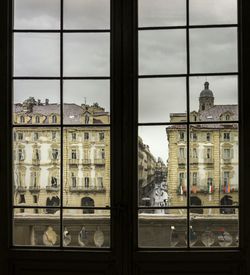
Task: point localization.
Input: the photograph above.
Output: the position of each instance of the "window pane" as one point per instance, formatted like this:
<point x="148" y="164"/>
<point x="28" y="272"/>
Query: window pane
<point x="162" y="13"/>
<point x="87" y="14"/>
<point x="87" y="54"/>
<point x="214" y="164"/>
<point x="214" y="98"/>
<point x="210" y="228"/>
<point x="162" y="158"/>
<point x="87" y="228"/>
<point x="162" y="52"/>
<point x="213" y="12"/>
<point x="36" y="227"/>
<point x="165" y="100"/>
<point x="39" y="14"/>
<point x="36" y="102"/>
<point x="86" y="102"/>
<point x="36" y="54"/>
<point x="36" y="166"/>
<point x="213" y="50"/>
<point x="87" y="166"/>
<point x="166" y="229"/>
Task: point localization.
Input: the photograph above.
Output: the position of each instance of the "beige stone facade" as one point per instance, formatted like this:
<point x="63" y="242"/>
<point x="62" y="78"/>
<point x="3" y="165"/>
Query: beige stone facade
<point x="213" y="154"/>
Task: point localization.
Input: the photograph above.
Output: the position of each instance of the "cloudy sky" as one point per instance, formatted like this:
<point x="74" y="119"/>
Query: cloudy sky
<point x="160" y="52"/>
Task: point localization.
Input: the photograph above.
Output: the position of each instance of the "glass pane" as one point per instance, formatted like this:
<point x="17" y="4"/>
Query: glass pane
<point x="86" y="14"/>
<point x="214" y="98"/>
<point x="213" y="50"/>
<point x="36" y="102"/>
<point x="87" y="228"/>
<point x="87" y="166"/>
<point x="36" y="227"/>
<point x="36" y="166"/>
<point x="162" y="52"/>
<point x="211" y="228"/>
<point x="164" y="101"/>
<point x="214" y="164"/>
<point x="162" y="158"/>
<point x="87" y="54"/>
<point x="162" y="13"/>
<point x="213" y="12"/>
<point x="36" y="54"/>
<point x="39" y="14"/>
<point x="164" y="230"/>
<point x="86" y="102"/>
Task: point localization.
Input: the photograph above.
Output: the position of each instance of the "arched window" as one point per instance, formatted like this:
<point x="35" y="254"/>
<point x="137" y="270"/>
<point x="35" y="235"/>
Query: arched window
<point x="22" y="120"/>
<point x="54" y="119"/>
<point x="87" y="202"/>
<point x="37" y="119"/>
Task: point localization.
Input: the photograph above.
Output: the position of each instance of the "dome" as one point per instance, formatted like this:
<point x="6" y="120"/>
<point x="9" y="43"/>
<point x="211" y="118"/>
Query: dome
<point x="206" y="92"/>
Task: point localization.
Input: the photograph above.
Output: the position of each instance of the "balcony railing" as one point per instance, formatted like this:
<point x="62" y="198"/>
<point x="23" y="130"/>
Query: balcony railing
<point x="73" y="161"/>
<point x="84" y="189"/>
<point x="50" y="188"/>
<point x="35" y="161"/>
<point x="34" y="188"/>
<point x="86" y="161"/>
<point x="21" y="188"/>
<point x="209" y="160"/>
<point x="193" y="160"/>
<point x="182" y="161"/>
<point x="227" y="160"/>
<point x="99" y="161"/>
<point x="55" y="161"/>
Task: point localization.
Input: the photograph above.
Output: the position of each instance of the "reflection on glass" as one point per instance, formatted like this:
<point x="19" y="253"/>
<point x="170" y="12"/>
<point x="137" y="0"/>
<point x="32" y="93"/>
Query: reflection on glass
<point x="213" y="50"/>
<point x="35" y="101"/>
<point x="87" y="166"/>
<point x="162" y="13"/>
<point x="214" y="165"/>
<point x="162" y="164"/>
<point x="36" y="167"/>
<point x="162" y="52"/>
<point x="66" y="237"/>
<point x="164" y="101"/>
<point x="215" y="229"/>
<point x="87" y="54"/>
<point x="86" y="102"/>
<point x="39" y="14"/>
<point x="86" y="14"/>
<point x="193" y="238"/>
<point x="28" y="232"/>
<point x="214" y="98"/>
<point x="213" y="12"/>
<point x="87" y="229"/>
<point x="162" y="230"/>
<point x="36" y="54"/>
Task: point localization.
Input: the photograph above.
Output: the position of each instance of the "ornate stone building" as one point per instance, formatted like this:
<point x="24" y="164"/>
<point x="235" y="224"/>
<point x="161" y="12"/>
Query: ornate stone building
<point x="37" y="155"/>
<point x="213" y="154"/>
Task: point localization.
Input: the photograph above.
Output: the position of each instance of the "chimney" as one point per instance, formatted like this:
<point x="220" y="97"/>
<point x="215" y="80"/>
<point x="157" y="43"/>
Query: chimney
<point x="46" y="101"/>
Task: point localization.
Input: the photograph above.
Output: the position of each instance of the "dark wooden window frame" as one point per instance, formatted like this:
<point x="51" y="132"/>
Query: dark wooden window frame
<point x="124" y="258"/>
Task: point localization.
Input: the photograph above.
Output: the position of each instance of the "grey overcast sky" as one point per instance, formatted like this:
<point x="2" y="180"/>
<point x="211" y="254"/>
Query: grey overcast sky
<point x="160" y="52"/>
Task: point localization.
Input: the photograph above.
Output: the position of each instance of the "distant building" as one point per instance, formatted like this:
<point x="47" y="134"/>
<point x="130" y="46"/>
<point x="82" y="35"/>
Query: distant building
<point x="213" y="154"/>
<point x="37" y="156"/>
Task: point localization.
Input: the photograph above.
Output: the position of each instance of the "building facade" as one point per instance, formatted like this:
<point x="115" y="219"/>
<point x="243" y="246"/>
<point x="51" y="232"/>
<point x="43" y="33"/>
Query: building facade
<point x="213" y="154"/>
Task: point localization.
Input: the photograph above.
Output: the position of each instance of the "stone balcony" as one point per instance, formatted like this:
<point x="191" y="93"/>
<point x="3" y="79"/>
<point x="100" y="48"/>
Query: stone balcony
<point x="21" y="188"/>
<point x="99" y="161"/>
<point x="73" y="161"/>
<point x="208" y="160"/>
<point x="90" y="189"/>
<point x="35" y="161"/>
<point x="182" y="161"/>
<point x="50" y="188"/>
<point x="86" y="161"/>
<point x="34" y="188"/>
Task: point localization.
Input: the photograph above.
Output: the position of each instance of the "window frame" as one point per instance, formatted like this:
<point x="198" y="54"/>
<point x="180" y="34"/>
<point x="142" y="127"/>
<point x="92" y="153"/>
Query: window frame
<point x="124" y="126"/>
